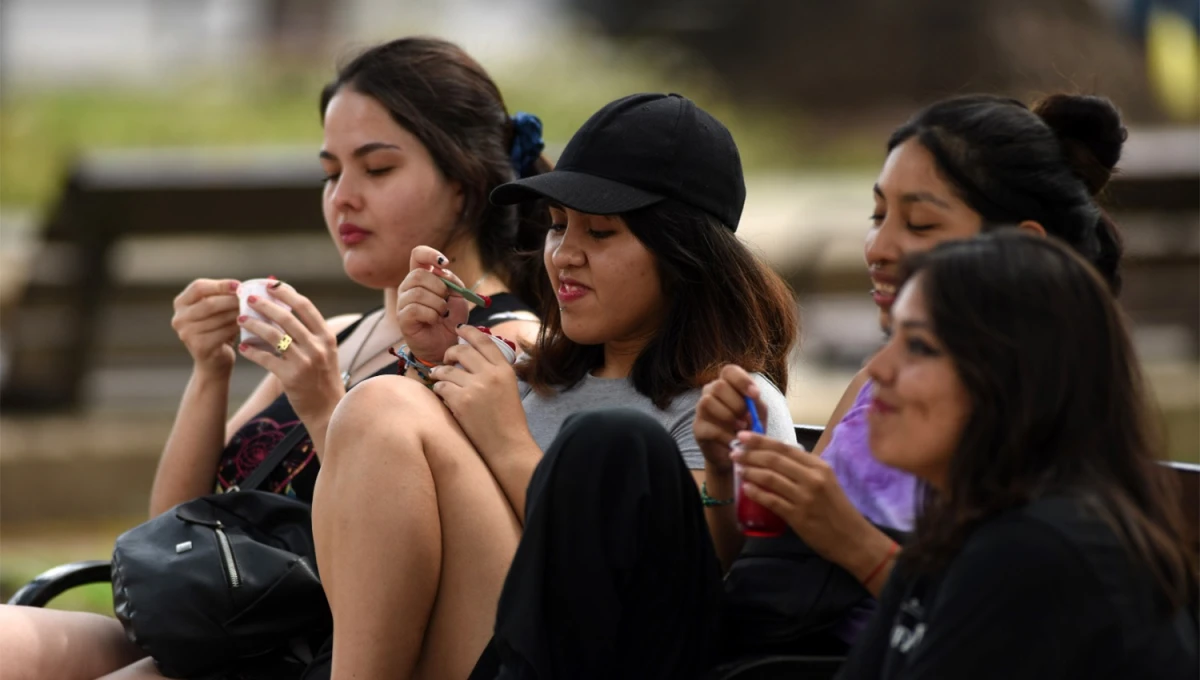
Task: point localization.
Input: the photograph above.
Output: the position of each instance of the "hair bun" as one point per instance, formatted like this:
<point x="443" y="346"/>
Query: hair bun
<point x="1091" y="134"/>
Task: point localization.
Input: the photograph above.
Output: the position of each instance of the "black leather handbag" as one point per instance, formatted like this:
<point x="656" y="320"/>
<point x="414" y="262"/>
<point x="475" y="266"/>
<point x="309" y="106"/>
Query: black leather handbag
<point x="223" y="580"/>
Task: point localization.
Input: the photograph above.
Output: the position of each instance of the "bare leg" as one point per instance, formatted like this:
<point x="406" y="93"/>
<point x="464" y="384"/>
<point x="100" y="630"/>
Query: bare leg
<point x="40" y="643"/>
<point x="414" y="536"/>
<point x="142" y="670"/>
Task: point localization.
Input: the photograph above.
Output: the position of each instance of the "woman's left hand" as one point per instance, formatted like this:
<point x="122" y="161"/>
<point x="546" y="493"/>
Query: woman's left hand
<point x="802" y="489"/>
<point x="308" y="368"/>
<point x="481" y="392"/>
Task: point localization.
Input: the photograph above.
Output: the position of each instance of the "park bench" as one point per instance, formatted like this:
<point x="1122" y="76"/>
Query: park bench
<point x="129" y="230"/>
<point x="52" y="583"/>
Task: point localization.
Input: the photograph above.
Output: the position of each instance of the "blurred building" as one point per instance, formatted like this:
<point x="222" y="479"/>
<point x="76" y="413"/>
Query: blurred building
<point x="69" y="42"/>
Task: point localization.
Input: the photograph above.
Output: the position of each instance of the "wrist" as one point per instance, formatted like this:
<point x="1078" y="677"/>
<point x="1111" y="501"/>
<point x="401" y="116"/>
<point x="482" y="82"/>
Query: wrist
<point x="210" y="372"/>
<point x="869" y="555"/>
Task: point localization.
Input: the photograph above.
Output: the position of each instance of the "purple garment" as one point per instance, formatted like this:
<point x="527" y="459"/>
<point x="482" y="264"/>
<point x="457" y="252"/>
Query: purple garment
<point x="883" y="494"/>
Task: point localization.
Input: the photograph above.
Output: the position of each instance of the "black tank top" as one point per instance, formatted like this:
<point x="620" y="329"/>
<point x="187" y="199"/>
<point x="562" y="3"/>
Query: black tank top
<point x="297" y="474"/>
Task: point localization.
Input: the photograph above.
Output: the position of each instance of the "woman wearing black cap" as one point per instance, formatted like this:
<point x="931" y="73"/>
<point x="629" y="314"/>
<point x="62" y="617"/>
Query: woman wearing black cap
<point x="424" y="493"/>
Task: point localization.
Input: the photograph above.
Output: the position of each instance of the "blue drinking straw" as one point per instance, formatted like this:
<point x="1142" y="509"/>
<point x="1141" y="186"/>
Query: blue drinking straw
<point x="755" y="423"/>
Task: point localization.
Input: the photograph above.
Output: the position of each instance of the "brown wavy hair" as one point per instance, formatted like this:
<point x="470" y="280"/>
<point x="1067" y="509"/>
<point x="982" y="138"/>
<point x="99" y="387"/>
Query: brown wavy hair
<point x="437" y="92"/>
<point x="1059" y="403"/>
<point x="724" y="305"/>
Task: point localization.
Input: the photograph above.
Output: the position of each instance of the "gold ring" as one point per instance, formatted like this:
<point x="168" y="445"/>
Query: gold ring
<point x="284" y="343"/>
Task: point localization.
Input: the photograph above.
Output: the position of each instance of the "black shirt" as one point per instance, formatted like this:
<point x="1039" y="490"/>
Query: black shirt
<point x="1041" y="591"/>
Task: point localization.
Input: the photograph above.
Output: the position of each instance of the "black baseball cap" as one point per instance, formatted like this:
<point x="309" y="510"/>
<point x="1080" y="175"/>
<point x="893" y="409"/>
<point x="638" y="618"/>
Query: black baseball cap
<point x="638" y="151"/>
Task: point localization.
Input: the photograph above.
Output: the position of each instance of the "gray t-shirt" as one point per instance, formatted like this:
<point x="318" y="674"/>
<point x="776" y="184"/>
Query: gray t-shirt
<point x="545" y="414"/>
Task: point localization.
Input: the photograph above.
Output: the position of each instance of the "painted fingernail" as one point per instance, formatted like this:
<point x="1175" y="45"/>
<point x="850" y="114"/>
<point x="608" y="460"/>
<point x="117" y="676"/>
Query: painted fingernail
<point x="243" y="347"/>
<point x="275" y="285"/>
<point x="270" y="277"/>
<point x="460" y="325"/>
<point x="441" y="260"/>
<point x="233" y="285"/>
<point x="446" y="313"/>
<point x="242" y="318"/>
<point x="252" y="299"/>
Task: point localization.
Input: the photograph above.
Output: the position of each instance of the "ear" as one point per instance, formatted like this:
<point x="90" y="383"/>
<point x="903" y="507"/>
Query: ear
<point x="1033" y="227"/>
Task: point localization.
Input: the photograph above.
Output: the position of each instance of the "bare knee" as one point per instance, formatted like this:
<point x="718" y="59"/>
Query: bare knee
<point x="378" y="408"/>
<point x="44" y="643"/>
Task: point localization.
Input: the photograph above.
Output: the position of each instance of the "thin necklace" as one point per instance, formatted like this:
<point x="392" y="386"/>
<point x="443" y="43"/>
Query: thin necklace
<point x="479" y="282"/>
<point x="350" y="369"/>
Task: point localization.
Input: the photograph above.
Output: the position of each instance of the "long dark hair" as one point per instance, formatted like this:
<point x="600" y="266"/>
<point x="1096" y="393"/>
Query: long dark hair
<point x="437" y="92"/>
<point x="1058" y="403"/>
<point x="1013" y="164"/>
<point x="723" y="305"/>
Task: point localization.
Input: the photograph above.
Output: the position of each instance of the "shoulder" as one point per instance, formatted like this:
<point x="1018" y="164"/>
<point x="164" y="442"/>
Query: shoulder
<point x="1028" y="545"/>
<point x="341" y="322"/>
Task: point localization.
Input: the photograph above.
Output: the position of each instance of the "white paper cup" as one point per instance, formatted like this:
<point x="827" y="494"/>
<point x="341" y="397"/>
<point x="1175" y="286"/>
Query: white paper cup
<point x="257" y="287"/>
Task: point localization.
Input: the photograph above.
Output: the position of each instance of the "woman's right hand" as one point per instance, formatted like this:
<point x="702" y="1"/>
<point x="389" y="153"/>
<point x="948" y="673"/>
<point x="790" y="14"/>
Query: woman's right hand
<point x="721" y="413"/>
<point x="206" y="321"/>
<point x="429" y="312"/>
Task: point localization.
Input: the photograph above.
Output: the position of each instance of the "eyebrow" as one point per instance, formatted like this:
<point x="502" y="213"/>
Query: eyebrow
<point x="916" y="197"/>
<point x="363" y="150"/>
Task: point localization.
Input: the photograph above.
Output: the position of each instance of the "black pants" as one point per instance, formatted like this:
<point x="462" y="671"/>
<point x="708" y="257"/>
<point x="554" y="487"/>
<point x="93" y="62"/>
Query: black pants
<point x="615" y="575"/>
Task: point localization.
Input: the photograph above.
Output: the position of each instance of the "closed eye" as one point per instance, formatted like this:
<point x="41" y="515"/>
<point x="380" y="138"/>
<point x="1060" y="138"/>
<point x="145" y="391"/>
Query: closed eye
<point x="379" y="172"/>
<point x="921" y="348"/>
<point x="558" y="227"/>
<point x="331" y="177"/>
<point x="600" y="235"/>
<point x="877" y="219"/>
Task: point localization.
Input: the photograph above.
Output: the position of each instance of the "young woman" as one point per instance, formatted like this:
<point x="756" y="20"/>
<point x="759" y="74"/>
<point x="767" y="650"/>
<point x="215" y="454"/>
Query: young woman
<point x="422" y="497"/>
<point x="958" y="168"/>
<point x="1050" y="543"/>
<point x="406" y="166"/>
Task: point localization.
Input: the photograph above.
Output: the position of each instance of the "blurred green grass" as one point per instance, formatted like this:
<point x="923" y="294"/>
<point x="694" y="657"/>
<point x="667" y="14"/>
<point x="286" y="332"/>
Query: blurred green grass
<point x="41" y="130"/>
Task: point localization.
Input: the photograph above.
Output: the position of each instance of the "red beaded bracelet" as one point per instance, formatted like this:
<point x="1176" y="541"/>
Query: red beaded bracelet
<point x="888" y="558"/>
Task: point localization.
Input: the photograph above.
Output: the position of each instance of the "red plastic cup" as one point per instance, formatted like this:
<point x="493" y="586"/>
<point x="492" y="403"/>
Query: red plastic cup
<point x="753" y="519"/>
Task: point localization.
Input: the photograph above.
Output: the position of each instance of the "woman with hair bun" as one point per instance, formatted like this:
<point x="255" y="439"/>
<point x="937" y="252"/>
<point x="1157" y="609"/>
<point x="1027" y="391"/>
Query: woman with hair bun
<point x="960" y="167"/>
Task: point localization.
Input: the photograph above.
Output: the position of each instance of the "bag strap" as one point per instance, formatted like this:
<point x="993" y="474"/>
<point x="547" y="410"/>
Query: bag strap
<point x="293" y="437"/>
<point x="273" y="459"/>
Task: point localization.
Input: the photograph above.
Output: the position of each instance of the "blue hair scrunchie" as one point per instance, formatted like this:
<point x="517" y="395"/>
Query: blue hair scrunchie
<point x="527" y="143"/>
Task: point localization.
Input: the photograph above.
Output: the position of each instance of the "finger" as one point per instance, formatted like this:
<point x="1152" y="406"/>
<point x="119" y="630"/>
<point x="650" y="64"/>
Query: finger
<point x="780" y="462"/>
<point x="281" y="316"/>
<point x="424" y="257"/>
<point x="418" y="314"/>
<point x="267" y="360"/>
<point x="713" y="412"/>
<point x="740" y="380"/>
<point x="483" y="343"/>
<point x="753" y="440"/>
<point x="723" y="402"/>
<point x="425" y="297"/>
<point x="202" y="288"/>
<point x="468" y="357"/>
<point x="428" y="280"/>
<point x="224" y="321"/>
<point x="268" y="333"/>
<point x="206" y="307"/>
<point x="450" y="374"/>
<point x="302" y="308"/>
<point x="769" y="500"/>
<point x="772" y="481"/>
<point x="449" y="393"/>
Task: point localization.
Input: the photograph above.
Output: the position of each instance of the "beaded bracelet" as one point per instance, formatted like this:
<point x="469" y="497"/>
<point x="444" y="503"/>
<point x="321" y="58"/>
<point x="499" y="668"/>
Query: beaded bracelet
<point x="708" y="501"/>
<point x="406" y="357"/>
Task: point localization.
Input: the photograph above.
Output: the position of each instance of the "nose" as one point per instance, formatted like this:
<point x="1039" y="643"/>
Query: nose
<point x="883" y="244"/>
<point x="568" y="250"/>
<point x="881" y="368"/>
<point x="346" y="196"/>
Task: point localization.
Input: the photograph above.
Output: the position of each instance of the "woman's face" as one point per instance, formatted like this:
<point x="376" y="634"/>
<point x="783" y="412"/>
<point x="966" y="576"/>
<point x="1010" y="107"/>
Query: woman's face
<point x="920" y="405"/>
<point x="606" y="280"/>
<point x="383" y="193"/>
<point x="915" y="209"/>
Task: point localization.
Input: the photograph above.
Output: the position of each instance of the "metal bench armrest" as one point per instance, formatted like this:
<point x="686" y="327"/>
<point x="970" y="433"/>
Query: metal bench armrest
<point x="54" y="582"/>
